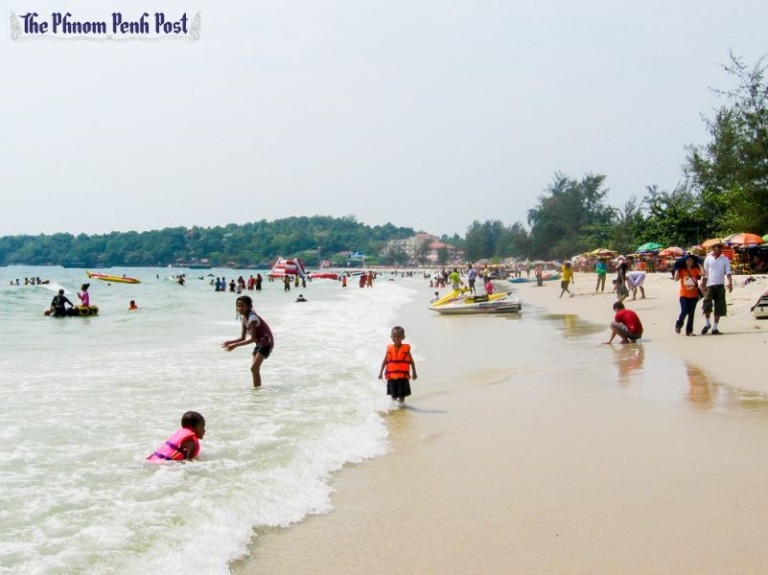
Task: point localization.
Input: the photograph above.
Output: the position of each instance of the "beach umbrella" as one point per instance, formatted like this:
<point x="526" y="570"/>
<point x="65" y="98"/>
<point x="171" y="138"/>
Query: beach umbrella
<point x="711" y="242"/>
<point x="603" y="253"/>
<point x="765" y="238"/>
<point x="672" y="251"/>
<point x="744" y="239"/>
<point x="649" y="247"/>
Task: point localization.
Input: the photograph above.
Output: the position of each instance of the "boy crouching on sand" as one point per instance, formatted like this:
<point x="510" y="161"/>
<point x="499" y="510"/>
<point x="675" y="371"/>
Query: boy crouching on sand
<point x="398" y="365"/>
<point x="626" y="324"/>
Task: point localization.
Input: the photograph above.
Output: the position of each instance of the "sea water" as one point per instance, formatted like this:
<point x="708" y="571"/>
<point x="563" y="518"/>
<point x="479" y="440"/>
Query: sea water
<point x="84" y="401"/>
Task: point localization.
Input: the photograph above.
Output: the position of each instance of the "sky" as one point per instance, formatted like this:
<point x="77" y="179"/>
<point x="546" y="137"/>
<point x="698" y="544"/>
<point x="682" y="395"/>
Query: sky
<point x="422" y="113"/>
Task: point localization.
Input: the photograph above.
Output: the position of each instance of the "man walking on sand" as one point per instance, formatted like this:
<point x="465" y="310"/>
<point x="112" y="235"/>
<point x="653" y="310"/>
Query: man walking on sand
<point x="717" y="268"/>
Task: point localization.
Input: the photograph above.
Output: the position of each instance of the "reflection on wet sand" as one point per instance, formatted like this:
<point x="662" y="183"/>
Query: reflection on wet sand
<point x="701" y="391"/>
<point x="708" y="394"/>
<point x="654" y="373"/>
<point x="629" y="359"/>
<point x="572" y="326"/>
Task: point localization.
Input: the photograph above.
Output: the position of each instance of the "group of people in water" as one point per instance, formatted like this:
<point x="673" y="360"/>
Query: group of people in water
<point x="398" y="368"/>
<point x="61" y="306"/>
<point x="239" y="285"/>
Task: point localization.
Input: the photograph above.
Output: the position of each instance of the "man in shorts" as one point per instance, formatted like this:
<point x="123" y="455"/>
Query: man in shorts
<point x="717" y="268"/>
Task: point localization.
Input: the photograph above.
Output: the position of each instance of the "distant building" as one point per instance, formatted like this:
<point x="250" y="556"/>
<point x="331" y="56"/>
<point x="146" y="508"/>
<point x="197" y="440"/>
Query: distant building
<point x="413" y="248"/>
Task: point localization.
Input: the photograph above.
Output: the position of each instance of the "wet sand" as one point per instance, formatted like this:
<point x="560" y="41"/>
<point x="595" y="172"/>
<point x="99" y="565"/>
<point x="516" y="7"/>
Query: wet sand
<point x="576" y="458"/>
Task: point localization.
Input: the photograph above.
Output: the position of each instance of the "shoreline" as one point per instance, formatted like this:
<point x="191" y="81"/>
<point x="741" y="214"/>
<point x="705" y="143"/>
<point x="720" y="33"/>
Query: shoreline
<point x="504" y="471"/>
<point x="743" y="335"/>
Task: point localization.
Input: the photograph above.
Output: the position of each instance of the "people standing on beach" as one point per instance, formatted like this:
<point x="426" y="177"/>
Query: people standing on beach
<point x="566" y="272"/>
<point x="85" y="299"/>
<point x="257" y="332"/>
<point x="635" y="280"/>
<point x="717" y="268"/>
<point x="471" y="278"/>
<point x="455" y="279"/>
<point x="626" y="324"/>
<point x="185" y="443"/>
<point x="601" y="268"/>
<point x="398" y="366"/>
<point x="622" y="267"/>
<point x="690" y="292"/>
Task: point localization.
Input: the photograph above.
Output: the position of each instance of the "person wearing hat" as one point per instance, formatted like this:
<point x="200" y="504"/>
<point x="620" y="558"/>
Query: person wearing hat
<point x="717" y="269"/>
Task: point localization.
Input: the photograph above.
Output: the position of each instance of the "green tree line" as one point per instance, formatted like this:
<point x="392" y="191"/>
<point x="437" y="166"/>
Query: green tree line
<point x="248" y="245"/>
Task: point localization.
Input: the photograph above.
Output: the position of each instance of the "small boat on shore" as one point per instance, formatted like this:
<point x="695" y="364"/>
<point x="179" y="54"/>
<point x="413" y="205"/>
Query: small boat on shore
<point x="116" y="279"/>
<point x="546" y="276"/>
<point x="494" y="303"/>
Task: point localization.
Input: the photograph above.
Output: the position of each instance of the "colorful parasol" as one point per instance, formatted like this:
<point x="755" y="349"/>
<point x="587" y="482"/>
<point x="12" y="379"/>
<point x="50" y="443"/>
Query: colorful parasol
<point x="744" y="239"/>
<point x="649" y="247"/>
<point x="672" y="251"/>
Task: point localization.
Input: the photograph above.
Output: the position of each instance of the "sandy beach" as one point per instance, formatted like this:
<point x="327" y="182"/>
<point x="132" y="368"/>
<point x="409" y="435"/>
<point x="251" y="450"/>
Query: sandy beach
<point x="562" y="469"/>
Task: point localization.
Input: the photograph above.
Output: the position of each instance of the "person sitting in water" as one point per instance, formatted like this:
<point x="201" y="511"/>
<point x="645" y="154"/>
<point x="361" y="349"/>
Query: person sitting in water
<point x="59" y="303"/>
<point x="185" y="443"/>
<point x="132" y="305"/>
<point x="626" y="324"/>
<point x="301" y="298"/>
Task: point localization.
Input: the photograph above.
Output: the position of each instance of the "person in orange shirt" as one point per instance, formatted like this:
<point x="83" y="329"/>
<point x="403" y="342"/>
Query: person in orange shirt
<point x="688" y="275"/>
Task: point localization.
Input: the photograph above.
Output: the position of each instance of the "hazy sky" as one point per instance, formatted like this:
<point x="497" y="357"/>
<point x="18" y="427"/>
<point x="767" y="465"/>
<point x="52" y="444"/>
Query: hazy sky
<point x="429" y="114"/>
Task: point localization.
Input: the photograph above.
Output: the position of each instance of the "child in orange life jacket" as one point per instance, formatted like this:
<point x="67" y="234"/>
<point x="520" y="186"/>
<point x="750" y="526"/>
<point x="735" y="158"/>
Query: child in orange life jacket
<point x="398" y="365"/>
<point x="185" y="443"/>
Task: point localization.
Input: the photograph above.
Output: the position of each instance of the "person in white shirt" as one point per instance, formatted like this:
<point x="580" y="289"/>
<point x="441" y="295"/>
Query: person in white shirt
<point x="717" y="269"/>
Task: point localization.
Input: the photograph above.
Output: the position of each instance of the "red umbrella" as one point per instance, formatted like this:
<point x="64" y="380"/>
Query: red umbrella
<point x="672" y="251"/>
<point x="744" y="239"/>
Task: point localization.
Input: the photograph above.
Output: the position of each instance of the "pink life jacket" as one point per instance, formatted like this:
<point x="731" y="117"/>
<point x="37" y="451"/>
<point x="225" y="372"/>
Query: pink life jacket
<point x="171" y="449"/>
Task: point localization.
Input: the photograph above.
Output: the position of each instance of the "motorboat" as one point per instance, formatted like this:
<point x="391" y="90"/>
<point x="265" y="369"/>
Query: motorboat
<point x="546" y="276"/>
<point x="494" y="303"/>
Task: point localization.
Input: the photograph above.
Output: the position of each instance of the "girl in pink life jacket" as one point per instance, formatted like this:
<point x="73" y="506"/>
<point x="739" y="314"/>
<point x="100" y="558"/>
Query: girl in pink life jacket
<point x="185" y="443"/>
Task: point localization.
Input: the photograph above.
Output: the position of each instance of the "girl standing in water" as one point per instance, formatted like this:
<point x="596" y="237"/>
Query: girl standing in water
<point x="254" y="330"/>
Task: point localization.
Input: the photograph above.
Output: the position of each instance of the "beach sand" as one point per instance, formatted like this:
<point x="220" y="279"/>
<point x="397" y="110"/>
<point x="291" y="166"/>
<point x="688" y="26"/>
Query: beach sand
<point x="497" y="470"/>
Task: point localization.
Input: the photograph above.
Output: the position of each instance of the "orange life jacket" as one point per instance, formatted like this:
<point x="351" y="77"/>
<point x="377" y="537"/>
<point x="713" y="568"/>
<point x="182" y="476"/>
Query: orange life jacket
<point x="398" y="362"/>
<point x="171" y="449"/>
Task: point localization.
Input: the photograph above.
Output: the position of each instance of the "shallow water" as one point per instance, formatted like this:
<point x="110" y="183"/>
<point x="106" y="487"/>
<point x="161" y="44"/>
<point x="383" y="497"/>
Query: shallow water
<point x="85" y="400"/>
